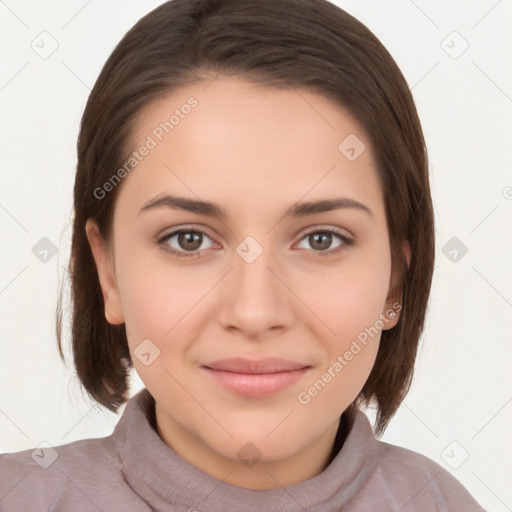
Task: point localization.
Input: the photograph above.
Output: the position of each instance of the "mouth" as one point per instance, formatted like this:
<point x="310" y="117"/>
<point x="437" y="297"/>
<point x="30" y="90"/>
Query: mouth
<point x="255" y="378"/>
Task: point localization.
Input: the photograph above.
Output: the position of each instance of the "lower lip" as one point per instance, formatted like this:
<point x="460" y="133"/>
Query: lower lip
<point x="256" y="385"/>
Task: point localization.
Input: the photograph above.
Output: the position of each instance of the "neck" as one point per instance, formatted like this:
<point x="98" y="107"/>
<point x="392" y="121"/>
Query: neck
<point x="265" y="474"/>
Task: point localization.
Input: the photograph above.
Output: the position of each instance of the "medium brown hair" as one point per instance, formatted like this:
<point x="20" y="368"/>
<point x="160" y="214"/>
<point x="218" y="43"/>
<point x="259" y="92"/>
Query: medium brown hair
<point x="306" y="44"/>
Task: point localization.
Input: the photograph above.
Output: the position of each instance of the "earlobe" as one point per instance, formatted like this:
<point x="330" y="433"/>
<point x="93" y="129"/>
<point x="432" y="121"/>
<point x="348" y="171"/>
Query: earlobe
<point x="113" y="311"/>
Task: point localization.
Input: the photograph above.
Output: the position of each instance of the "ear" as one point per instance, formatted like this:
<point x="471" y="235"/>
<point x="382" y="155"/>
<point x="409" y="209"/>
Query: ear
<point x="393" y="304"/>
<point x="106" y="274"/>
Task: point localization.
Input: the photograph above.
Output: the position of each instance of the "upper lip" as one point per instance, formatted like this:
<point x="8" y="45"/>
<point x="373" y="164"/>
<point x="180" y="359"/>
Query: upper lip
<point x="252" y="366"/>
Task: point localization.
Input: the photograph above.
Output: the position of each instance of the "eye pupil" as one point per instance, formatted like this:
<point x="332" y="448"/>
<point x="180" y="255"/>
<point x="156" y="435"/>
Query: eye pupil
<point x="319" y="238"/>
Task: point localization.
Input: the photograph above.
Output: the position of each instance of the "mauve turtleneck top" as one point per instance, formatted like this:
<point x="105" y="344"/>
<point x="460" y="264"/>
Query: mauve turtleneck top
<point x="133" y="469"/>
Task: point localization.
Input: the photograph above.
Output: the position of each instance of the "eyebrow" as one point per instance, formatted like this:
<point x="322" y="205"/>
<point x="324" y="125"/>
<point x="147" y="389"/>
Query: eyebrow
<point x="215" y="210"/>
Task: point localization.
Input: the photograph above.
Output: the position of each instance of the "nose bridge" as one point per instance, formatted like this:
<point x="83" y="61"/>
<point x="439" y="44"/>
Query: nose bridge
<point x="252" y="274"/>
<point x="257" y="300"/>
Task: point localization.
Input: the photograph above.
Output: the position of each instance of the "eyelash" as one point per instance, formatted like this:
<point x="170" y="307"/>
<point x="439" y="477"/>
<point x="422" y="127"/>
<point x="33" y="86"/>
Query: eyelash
<point x="322" y="254"/>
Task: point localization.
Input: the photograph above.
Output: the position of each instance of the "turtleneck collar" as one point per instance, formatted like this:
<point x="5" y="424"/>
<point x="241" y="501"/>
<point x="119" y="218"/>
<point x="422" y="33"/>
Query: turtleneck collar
<point x="161" y="477"/>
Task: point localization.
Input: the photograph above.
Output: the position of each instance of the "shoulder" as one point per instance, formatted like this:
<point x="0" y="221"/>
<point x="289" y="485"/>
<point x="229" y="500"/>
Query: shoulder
<point x="79" y="474"/>
<point x="410" y="481"/>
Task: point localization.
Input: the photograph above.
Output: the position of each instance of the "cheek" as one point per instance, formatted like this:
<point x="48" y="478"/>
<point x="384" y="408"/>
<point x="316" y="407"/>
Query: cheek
<point x="158" y="305"/>
<point x="347" y="301"/>
<point x="156" y="297"/>
<point x="347" y="297"/>
<point x="351" y="308"/>
<point x="155" y="289"/>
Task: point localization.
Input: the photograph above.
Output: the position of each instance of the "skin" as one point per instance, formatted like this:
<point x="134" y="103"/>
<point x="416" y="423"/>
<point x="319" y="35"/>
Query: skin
<point x="255" y="151"/>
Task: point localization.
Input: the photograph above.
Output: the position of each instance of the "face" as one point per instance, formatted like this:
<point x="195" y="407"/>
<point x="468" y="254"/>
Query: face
<point x="311" y="287"/>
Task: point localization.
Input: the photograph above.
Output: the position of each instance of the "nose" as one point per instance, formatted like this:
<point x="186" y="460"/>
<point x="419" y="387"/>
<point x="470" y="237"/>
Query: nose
<point x="256" y="299"/>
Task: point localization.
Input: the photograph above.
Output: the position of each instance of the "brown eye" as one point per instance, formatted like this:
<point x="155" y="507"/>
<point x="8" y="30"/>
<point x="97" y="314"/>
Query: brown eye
<point x="187" y="242"/>
<point x="321" y="241"/>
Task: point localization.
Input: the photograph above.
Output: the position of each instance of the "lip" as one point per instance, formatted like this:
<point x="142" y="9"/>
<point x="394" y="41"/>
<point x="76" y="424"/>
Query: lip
<point x="255" y="366"/>
<point x="256" y="378"/>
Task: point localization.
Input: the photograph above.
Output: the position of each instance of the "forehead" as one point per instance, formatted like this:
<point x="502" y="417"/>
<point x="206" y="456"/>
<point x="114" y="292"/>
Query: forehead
<point x="230" y="140"/>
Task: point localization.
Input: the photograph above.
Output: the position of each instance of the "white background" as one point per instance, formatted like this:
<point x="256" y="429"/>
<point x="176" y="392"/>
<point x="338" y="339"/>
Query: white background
<point x="460" y="403"/>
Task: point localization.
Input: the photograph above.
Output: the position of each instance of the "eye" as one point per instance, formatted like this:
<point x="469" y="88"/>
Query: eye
<point x="321" y="239"/>
<point x="189" y="242"/>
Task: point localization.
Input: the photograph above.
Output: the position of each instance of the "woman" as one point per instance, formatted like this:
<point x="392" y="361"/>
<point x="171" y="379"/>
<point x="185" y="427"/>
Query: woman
<point x="253" y="233"/>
